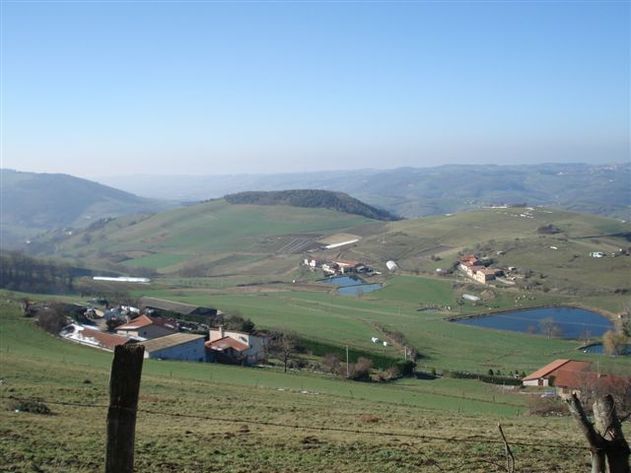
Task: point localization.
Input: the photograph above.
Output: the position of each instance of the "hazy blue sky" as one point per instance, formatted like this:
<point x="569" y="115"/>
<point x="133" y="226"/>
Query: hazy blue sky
<point x="105" y="88"/>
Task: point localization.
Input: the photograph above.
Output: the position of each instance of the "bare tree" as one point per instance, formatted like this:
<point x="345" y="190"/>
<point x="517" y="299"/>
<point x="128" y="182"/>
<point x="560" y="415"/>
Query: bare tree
<point x="283" y="345"/>
<point x="549" y="327"/>
<point x="618" y="387"/>
<point x="614" y="343"/>
<point x="332" y="362"/>
<point x="610" y="451"/>
<point x="52" y="318"/>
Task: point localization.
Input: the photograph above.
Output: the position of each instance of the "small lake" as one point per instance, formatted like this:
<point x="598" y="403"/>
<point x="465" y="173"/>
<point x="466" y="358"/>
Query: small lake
<point x="598" y="349"/>
<point x="571" y="322"/>
<point x="351" y="285"/>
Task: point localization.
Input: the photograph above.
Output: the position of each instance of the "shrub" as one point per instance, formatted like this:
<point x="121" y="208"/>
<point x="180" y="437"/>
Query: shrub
<point x="383" y="376"/>
<point x="547" y="406"/>
<point x="332" y="363"/>
<point x="52" y="319"/>
<point x="405" y="367"/>
<point x="360" y="371"/>
<point x="30" y="405"/>
<point x="549" y="229"/>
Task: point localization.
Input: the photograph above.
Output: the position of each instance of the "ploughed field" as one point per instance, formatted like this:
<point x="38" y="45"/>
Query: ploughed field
<point x="207" y="417"/>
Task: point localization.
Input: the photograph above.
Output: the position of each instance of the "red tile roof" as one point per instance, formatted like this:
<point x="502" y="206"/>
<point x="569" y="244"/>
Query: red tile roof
<point x="469" y="260"/>
<point x="144" y="321"/>
<point x="546" y="370"/>
<point x="104" y="340"/>
<point x="564" y="371"/>
<point x="225" y="343"/>
<point x="138" y="322"/>
<point x="574" y="374"/>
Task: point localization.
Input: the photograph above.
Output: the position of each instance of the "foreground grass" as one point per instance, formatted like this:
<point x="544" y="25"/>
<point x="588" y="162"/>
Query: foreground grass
<point x="203" y="417"/>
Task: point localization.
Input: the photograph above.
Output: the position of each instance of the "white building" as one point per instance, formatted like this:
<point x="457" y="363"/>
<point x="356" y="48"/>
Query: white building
<point x="391" y="265"/>
<point x="252" y="350"/>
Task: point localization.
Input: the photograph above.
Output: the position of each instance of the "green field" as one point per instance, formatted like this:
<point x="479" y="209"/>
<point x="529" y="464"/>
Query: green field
<point x="206" y="417"/>
<point x="216" y="239"/>
<point x="216" y="236"/>
<point x="243" y="260"/>
<point x="342" y="320"/>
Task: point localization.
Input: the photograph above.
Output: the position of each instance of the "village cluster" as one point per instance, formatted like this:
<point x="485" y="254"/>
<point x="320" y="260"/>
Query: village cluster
<point x="165" y="337"/>
<point x="332" y="267"/>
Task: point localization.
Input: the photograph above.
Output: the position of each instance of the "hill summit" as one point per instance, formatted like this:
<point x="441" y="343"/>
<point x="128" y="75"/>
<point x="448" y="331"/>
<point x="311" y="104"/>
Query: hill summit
<point x="36" y="202"/>
<point x="312" y="198"/>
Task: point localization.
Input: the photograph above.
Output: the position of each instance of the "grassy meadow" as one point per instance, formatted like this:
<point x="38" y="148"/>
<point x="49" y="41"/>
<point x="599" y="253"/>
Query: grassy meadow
<point x="244" y="260"/>
<point x="210" y="238"/>
<point x="208" y="417"/>
<point x="346" y="320"/>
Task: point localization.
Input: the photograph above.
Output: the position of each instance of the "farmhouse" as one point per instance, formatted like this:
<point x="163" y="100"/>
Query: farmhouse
<point x="165" y="307"/>
<point x="235" y="347"/>
<point x="563" y="374"/>
<point x="468" y="263"/>
<point x="346" y="266"/>
<point x="146" y="327"/>
<point x="177" y="346"/>
<point x="484" y="275"/>
<point x="571" y="377"/>
<point x="472" y="266"/>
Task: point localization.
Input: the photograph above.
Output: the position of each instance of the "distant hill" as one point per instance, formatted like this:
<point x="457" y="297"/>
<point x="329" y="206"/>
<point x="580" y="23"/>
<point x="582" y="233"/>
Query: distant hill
<point x="33" y="202"/>
<point x="218" y="239"/>
<point x="415" y="192"/>
<point x="311" y="198"/>
<point x="206" y="239"/>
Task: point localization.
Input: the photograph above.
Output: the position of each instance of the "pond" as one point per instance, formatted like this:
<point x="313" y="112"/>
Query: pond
<point x="598" y="348"/>
<point x="564" y="322"/>
<point x="351" y="285"/>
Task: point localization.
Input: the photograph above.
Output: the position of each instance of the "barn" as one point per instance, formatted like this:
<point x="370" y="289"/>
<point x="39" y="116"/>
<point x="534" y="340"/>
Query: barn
<point x="179" y="346"/>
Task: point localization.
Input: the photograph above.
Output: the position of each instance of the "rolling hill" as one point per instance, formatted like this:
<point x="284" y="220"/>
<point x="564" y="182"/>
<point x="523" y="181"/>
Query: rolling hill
<point x="244" y="258"/>
<point x="266" y="242"/>
<point x="210" y="238"/>
<point x="33" y="202"/>
<point x="312" y="198"/>
<point x="414" y="192"/>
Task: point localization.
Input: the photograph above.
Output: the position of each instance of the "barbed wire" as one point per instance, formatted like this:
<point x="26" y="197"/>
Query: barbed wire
<point x="319" y="428"/>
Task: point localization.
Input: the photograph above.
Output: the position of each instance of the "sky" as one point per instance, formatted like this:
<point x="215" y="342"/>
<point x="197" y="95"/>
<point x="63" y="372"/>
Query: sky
<point x="120" y="87"/>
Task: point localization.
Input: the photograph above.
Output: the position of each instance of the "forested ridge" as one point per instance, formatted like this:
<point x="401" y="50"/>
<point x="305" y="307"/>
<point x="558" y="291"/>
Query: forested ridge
<point x="312" y="198"/>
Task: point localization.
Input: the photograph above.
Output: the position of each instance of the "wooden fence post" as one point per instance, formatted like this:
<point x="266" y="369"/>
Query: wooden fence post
<point x="121" y="415"/>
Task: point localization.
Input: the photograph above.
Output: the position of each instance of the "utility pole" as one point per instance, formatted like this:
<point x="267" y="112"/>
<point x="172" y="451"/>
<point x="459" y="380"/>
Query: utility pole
<point x="347" y="372"/>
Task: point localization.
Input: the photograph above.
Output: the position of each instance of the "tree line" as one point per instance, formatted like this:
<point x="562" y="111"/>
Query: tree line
<point x="19" y="272"/>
